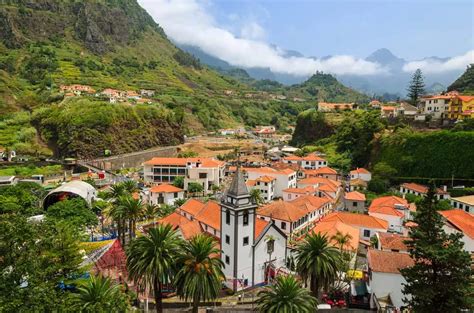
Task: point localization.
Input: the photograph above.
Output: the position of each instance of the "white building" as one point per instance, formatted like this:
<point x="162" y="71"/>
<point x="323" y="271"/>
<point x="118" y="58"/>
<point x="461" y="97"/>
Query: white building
<point x="361" y="173"/>
<point x="252" y="249"/>
<point x="354" y="201"/>
<point x="368" y="225"/>
<point x="284" y="178"/>
<point x="163" y="194"/>
<point x="204" y="171"/>
<point x="406" y="109"/>
<point x="324" y="187"/>
<point x="465" y="203"/>
<point x="69" y="190"/>
<point x="309" y="162"/>
<point x="436" y="106"/>
<point x="395" y="210"/>
<point x="266" y="185"/>
<point x="458" y="221"/>
<point x="7" y="180"/>
<point x="385" y="280"/>
<point x="422" y="190"/>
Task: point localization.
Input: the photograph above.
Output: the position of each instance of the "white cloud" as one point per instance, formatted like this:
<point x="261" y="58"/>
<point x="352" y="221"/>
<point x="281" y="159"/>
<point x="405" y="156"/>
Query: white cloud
<point x="188" y="22"/>
<point x="431" y="65"/>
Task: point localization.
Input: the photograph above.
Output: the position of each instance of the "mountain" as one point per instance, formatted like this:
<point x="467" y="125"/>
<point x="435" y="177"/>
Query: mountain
<point x="386" y="58"/>
<point x="465" y="83"/>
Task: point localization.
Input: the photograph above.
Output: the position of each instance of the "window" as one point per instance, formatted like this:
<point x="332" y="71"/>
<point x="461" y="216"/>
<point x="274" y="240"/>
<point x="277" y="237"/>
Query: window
<point x="366" y="233"/>
<point x="227" y="217"/>
<point x="246" y="241"/>
<point x="227" y="239"/>
<point x="354" y="203"/>
<point x="227" y="259"/>
<point x="202" y="175"/>
<point x="246" y="218"/>
<point x="283" y="225"/>
<point x="175" y="195"/>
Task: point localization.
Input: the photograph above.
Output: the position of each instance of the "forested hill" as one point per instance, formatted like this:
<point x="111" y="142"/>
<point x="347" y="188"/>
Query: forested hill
<point x="115" y="44"/>
<point x="465" y="83"/>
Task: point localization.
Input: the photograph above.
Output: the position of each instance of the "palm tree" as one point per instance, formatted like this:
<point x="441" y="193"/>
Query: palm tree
<point x="318" y="262"/>
<point x="256" y="196"/>
<point x="342" y="239"/>
<point x="286" y="296"/>
<point x="116" y="191"/>
<point x="117" y="213"/>
<point x="133" y="209"/>
<point x="151" y="260"/>
<point x="130" y="186"/>
<point x="150" y="211"/>
<point x="200" y="275"/>
<point x="99" y="294"/>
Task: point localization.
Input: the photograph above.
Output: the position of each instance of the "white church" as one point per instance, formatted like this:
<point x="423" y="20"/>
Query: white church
<point x="253" y="250"/>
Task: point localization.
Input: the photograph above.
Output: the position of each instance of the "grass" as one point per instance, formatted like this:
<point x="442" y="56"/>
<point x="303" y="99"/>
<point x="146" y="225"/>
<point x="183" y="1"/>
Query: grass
<point x="27" y="171"/>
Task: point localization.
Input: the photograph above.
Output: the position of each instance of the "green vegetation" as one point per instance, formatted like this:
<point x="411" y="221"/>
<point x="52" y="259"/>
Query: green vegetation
<point x="441" y="278"/>
<point x="465" y="83"/>
<point x="27" y="171"/>
<point x="75" y="212"/>
<point x="286" y="295"/>
<point x="416" y="89"/>
<point x="311" y="126"/>
<point x="22" y="198"/>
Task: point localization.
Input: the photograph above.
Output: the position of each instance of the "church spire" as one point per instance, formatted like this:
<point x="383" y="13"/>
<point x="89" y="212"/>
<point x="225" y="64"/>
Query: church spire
<point x="237" y="186"/>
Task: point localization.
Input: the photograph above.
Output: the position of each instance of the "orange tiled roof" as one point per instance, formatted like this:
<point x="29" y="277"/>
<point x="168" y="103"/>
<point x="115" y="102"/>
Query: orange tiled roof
<point x="321" y="171"/>
<point x="305" y="190"/>
<point x="136" y="195"/>
<point x="313" y="157"/>
<point x="330" y="229"/>
<point x="310" y="203"/>
<point x="269" y="170"/>
<point x="282" y="210"/>
<point x="386" y="205"/>
<point x="210" y="214"/>
<point x="251" y="182"/>
<point x="355" y="196"/>
<point x="165" y="188"/>
<point x="319" y="180"/>
<point x="190" y="229"/>
<point x="388" y="108"/>
<point x="174" y="219"/>
<point x="259" y="226"/>
<point x="356" y="219"/>
<point x="265" y="179"/>
<point x="421" y="188"/>
<point x="334" y="105"/>
<point x="360" y="170"/>
<point x="465" y="98"/>
<point x="388" y="262"/>
<point x="461" y="220"/>
<point x="328" y="188"/>
<point x="205" y="162"/>
<point x="392" y="241"/>
<point x="192" y="206"/>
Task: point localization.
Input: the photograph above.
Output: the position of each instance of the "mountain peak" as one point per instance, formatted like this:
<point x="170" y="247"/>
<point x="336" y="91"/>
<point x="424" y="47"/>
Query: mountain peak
<point x="384" y="56"/>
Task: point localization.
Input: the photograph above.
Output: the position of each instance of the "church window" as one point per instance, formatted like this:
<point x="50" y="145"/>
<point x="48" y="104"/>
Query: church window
<point x="227" y="217"/>
<point x="246" y="218"/>
<point x="227" y="259"/>
<point x="246" y="241"/>
<point x="227" y="239"/>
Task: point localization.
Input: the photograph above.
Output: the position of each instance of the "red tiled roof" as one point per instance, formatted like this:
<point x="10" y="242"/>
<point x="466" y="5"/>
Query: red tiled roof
<point x="386" y="205"/>
<point x="319" y="181"/>
<point x="356" y="219"/>
<point x="388" y="262"/>
<point x="466" y="98"/>
<point x="259" y="226"/>
<point x="330" y="228"/>
<point x="192" y="206"/>
<point x="421" y="188"/>
<point x="265" y="179"/>
<point x="269" y="170"/>
<point x="174" y="219"/>
<point x="392" y="241"/>
<point x="190" y="229"/>
<point x="165" y="188"/>
<point x="305" y="190"/>
<point x="210" y="214"/>
<point x="282" y="210"/>
<point x="205" y="162"/>
<point x="310" y="203"/>
<point x="460" y="219"/>
<point x="321" y="171"/>
<point x="360" y="170"/>
<point x="354" y="196"/>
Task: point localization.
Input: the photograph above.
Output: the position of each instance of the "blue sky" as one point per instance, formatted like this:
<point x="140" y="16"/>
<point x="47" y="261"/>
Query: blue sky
<point x="410" y="29"/>
<point x="254" y="33"/>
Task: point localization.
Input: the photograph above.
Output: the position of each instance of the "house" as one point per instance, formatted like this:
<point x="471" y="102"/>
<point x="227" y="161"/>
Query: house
<point x="252" y="250"/>
<point x="286" y="216"/>
<point x="334" y="107"/>
<point x="186" y="228"/>
<point x="367" y="225"/>
<point x="324" y="171"/>
<point x="388" y="111"/>
<point x="458" y="221"/>
<point x="361" y="173"/>
<point x="422" y="190"/>
<point x="147" y="92"/>
<point x="395" y="210"/>
<point x="130" y="94"/>
<point x="437" y="106"/>
<point x="324" y="187"/>
<point x="285" y="178"/>
<point x="354" y="201"/>
<point x="375" y="104"/>
<point x="204" y="171"/>
<point x="357" y="184"/>
<point x="293" y="193"/>
<point x="76" y="89"/>
<point x="7" y="180"/>
<point x="265" y="131"/>
<point x="392" y="242"/>
<point x="266" y="185"/>
<point x="461" y="107"/>
<point x="7" y="154"/>
<point x="385" y="280"/>
<point x="406" y="109"/>
<point x="309" y="162"/>
<point x="332" y="228"/>
<point x="465" y="203"/>
<point x="164" y="194"/>
<point x="112" y="93"/>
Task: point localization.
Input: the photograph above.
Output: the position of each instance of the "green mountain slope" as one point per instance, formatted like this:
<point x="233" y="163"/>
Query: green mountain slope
<point x="113" y="44"/>
<point x="465" y="83"/>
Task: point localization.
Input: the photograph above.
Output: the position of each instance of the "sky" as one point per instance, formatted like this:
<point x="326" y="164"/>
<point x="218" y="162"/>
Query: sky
<point x="254" y="33"/>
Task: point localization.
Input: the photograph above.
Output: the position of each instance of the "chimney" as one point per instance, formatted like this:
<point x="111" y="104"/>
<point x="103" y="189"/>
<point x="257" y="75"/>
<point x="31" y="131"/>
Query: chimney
<point x="445" y="188"/>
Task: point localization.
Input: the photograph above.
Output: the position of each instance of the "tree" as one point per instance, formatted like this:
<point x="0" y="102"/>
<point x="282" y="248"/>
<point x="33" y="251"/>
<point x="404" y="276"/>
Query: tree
<point x="440" y="279"/>
<point x="287" y="296"/>
<point x="133" y="210"/>
<point x="416" y="88"/>
<point x="200" y="276"/>
<point x="99" y="294"/>
<point x="256" y="196"/>
<point x="178" y="182"/>
<point x="118" y="215"/>
<point x="130" y="186"/>
<point x="311" y="126"/>
<point x="74" y="211"/>
<point x="342" y="239"/>
<point x="151" y="260"/>
<point x="195" y="187"/>
<point x="317" y="262"/>
<point x="150" y="211"/>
